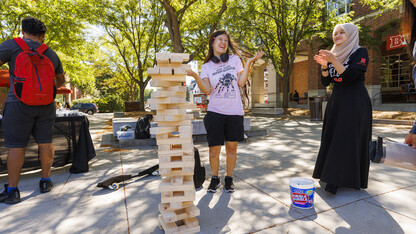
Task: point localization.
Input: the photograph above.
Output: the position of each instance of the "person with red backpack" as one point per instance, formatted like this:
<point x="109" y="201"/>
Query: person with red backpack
<point x="35" y="73"/>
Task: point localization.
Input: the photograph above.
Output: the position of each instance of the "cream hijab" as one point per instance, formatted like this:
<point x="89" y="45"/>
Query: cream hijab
<point x="343" y="51"/>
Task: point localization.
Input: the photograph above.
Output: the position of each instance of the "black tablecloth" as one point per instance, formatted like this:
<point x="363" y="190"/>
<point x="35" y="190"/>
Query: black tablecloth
<point x="72" y="142"/>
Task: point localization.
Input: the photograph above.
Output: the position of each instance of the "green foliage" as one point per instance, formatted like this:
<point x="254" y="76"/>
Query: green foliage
<point x="382" y="5"/>
<point x="133" y="35"/>
<point x="110" y="103"/>
<point x="278" y="27"/>
<point x="148" y="94"/>
<point x="65" y="22"/>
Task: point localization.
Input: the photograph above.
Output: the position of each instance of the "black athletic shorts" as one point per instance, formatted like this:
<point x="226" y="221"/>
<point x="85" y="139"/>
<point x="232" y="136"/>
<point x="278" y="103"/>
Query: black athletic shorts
<point x="21" y="120"/>
<point x="222" y="128"/>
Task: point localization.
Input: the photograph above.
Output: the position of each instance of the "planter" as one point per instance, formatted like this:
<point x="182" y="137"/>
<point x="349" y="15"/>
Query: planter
<point x="131" y="106"/>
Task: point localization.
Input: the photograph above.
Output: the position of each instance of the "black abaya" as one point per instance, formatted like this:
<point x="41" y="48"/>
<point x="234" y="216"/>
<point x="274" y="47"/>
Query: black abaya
<point x="343" y="156"/>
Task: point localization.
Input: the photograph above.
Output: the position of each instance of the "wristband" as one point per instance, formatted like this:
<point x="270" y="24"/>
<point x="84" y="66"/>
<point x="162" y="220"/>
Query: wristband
<point x="326" y="69"/>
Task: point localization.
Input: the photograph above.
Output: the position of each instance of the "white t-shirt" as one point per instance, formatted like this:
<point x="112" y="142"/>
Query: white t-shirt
<point x="225" y="93"/>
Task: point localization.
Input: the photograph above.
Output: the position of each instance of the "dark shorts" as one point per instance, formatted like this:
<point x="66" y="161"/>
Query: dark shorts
<point x="20" y="121"/>
<point x="222" y="128"/>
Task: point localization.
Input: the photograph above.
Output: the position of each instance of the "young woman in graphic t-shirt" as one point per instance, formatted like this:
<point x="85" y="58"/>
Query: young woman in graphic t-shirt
<point x="221" y="77"/>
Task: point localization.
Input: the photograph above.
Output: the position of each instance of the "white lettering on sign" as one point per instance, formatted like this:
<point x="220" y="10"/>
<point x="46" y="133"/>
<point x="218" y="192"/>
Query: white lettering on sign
<point x="395" y="42"/>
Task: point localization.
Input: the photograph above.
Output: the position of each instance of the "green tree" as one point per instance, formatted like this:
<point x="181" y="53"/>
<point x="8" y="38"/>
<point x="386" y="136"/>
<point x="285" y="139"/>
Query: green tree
<point x="382" y="5"/>
<point x="65" y="21"/>
<point x="134" y="34"/>
<point x="278" y="27"/>
<point x="190" y="22"/>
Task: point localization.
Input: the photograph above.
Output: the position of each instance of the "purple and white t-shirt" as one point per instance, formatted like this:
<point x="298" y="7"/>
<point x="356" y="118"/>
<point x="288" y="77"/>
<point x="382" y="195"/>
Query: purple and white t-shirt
<point x="225" y="94"/>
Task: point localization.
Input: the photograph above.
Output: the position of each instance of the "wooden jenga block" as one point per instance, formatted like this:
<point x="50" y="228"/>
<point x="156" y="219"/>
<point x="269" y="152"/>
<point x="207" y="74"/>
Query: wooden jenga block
<point x="166" y="100"/>
<point x="153" y="70"/>
<point x="186" y="226"/>
<point x="176" y="60"/>
<point x="163" y="207"/>
<point x="175" y="153"/>
<point x="173" y="78"/>
<point x="175" y="89"/>
<point x="182" y="106"/>
<point x="164" y="83"/>
<point x="159" y="118"/>
<point x="177" y="165"/>
<point x="170" y="158"/>
<point x="174" y="140"/>
<point x="167" y="186"/>
<point x="177" y="171"/>
<point x="177" y="70"/>
<point x="164" y="147"/>
<point x="162" y="94"/>
<point x="180" y="214"/>
<point x="172" y="112"/>
<point x="176" y="180"/>
<point x="178" y="196"/>
<point x="162" y="58"/>
<point x="165" y="71"/>
<point x="174" y="123"/>
<point x="185" y="131"/>
<point x="167" y="58"/>
<point x="187" y="147"/>
<point x="162" y="130"/>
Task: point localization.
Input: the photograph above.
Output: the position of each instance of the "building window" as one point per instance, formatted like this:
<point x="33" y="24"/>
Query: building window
<point x="341" y="6"/>
<point x="395" y="72"/>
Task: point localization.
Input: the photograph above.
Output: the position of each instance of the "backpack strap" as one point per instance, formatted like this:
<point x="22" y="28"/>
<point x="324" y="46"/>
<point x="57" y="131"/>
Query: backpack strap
<point x="22" y="44"/>
<point x="42" y="48"/>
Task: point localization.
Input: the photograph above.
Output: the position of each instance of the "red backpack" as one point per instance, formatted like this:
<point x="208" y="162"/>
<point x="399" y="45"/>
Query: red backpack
<point x="34" y="75"/>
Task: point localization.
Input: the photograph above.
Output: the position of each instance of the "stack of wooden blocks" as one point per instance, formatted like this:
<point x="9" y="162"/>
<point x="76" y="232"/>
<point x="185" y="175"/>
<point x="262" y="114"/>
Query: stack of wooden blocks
<point x="175" y="146"/>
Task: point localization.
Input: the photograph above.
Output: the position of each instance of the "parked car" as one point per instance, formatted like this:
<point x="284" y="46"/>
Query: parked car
<point x="89" y="108"/>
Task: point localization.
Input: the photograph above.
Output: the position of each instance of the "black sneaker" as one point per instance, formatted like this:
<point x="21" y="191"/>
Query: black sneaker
<point x="229" y="185"/>
<point x="13" y="197"/>
<point x="215" y="183"/>
<point x="4" y="194"/>
<point x="45" y="186"/>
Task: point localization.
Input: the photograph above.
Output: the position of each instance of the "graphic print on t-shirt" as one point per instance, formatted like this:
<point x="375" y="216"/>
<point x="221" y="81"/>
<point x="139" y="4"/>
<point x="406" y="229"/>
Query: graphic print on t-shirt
<point x="225" y="86"/>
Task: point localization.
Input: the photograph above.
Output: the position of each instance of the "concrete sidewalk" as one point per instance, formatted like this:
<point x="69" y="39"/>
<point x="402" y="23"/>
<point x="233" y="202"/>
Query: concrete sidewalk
<point x="261" y="202"/>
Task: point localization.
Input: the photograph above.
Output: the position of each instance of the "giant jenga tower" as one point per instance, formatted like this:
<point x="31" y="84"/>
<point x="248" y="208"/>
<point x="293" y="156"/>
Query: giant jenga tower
<point x="175" y="145"/>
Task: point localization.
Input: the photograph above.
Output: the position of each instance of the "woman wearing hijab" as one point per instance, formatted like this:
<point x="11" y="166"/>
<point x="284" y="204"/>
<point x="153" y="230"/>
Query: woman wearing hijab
<point x="409" y="29"/>
<point x="343" y="159"/>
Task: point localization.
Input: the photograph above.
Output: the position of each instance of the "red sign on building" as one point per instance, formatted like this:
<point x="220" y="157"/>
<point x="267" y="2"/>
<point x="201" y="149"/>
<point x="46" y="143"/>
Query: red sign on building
<point x="395" y="42"/>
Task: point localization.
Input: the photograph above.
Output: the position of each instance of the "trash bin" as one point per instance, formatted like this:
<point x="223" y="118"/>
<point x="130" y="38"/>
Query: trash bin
<point x="315" y="108"/>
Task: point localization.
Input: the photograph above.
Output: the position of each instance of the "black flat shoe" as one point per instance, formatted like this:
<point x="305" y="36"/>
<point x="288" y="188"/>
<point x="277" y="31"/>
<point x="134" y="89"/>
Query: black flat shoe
<point x="330" y="188"/>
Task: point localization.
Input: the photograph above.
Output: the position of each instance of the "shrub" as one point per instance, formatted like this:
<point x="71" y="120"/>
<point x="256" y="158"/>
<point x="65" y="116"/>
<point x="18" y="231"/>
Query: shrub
<point x="111" y="103"/>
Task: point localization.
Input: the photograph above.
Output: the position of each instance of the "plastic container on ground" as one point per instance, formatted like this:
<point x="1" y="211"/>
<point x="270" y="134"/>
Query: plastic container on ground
<point x="302" y="191"/>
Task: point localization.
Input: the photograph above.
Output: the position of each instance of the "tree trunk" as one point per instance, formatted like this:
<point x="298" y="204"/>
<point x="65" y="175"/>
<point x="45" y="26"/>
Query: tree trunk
<point x="141" y="108"/>
<point x="172" y="23"/>
<point x="285" y="90"/>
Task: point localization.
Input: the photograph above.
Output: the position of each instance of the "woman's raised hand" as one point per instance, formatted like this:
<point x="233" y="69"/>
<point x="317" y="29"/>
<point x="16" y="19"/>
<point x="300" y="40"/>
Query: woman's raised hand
<point x="191" y="73"/>
<point x="258" y="55"/>
<point x="319" y="59"/>
<point x="327" y="55"/>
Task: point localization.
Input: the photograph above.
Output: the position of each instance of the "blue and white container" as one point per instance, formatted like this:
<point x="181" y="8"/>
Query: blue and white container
<point x="302" y="191"/>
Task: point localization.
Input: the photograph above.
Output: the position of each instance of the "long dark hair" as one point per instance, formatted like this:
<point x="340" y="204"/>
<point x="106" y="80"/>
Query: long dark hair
<point x="409" y="23"/>
<point x="231" y="45"/>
